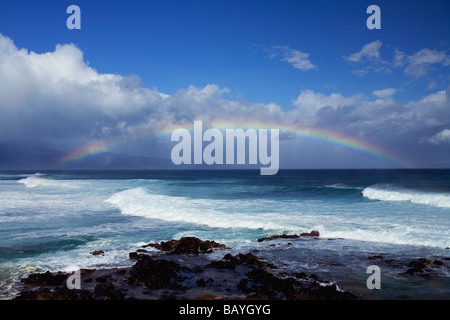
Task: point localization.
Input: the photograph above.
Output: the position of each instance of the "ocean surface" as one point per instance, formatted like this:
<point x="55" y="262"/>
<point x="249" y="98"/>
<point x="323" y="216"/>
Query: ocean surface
<point x="52" y="220"/>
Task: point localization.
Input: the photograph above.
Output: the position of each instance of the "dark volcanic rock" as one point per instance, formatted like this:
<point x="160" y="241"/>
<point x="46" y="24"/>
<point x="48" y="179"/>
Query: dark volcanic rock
<point x="230" y="262"/>
<point x="45" y="279"/>
<point x="170" y="276"/>
<point x="97" y="252"/>
<point x="414" y="270"/>
<point x="107" y="291"/>
<point x="281" y="236"/>
<point x="156" y="274"/>
<point x="318" y="292"/>
<point x="438" y="263"/>
<point x="190" y="245"/>
<point x="263" y="284"/>
<point x="313" y="233"/>
<point x="62" y="293"/>
<point x="304" y="276"/>
<point x="421" y="265"/>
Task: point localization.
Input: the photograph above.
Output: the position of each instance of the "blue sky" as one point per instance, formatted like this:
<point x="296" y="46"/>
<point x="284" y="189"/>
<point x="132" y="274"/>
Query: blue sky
<point x="265" y="52"/>
<point x="174" y="44"/>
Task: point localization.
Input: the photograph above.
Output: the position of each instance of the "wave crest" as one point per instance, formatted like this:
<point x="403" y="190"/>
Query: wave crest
<point x="139" y="202"/>
<point x="42" y="180"/>
<point x="392" y="193"/>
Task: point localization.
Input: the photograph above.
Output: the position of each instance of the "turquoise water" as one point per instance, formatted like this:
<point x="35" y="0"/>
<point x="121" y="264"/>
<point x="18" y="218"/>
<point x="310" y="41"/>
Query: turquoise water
<point x="52" y="220"/>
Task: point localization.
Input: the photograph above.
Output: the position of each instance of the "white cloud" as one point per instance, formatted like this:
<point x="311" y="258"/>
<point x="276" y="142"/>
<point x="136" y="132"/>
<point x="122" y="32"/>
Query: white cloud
<point x="384" y="93"/>
<point x="308" y="103"/>
<point x="399" y="59"/>
<point x="298" y="59"/>
<point x="369" y="51"/>
<point x="420" y="62"/>
<point x="415" y="65"/>
<point x="55" y="96"/>
<point x="440" y="137"/>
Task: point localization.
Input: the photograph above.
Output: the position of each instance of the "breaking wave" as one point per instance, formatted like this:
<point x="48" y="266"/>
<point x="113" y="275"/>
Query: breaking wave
<point x="393" y="193"/>
<point x="139" y="202"/>
<point x="42" y="180"/>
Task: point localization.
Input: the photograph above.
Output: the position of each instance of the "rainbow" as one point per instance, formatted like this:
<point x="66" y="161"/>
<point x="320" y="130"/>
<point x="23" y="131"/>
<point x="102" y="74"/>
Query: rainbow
<point x="93" y="148"/>
<point x="328" y="137"/>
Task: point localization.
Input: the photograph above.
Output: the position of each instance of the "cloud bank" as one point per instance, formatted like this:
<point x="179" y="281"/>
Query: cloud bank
<point x="55" y="99"/>
<point x="415" y="65"/>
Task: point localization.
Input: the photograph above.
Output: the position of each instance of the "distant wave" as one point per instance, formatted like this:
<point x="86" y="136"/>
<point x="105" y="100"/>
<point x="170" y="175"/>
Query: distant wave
<point x="33" y="180"/>
<point x="40" y="179"/>
<point x="393" y="193"/>
<point x="341" y="186"/>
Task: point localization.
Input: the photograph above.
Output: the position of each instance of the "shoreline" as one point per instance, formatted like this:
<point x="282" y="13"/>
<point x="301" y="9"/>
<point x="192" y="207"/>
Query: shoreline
<point x="183" y="270"/>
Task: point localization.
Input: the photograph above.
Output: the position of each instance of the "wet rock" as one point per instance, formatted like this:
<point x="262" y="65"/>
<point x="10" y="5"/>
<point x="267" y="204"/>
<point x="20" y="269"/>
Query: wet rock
<point x="281" y="236"/>
<point x="209" y="297"/>
<point x="313" y="233"/>
<point x="318" y="292"/>
<point x="102" y="279"/>
<point x="263" y="284"/>
<point x="98" y="252"/>
<point x="62" y="293"/>
<point x="419" y="266"/>
<point x="412" y="271"/>
<point x="121" y="272"/>
<point x="173" y="277"/>
<point x="438" y="263"/>
<point x="202" y="282"/>
<point x="45" y="279"/>
<point x="135" y="255"/>
<point x="107" y="291"/>
<point x="189" y="245"/>
<point x="230" y="262"/>
<point x="421" y="263"/>
<point x="304" y="276"/>
<point x="425" y="262"/>
<point x="156" y="274"/>
<point x="301" y="275"/>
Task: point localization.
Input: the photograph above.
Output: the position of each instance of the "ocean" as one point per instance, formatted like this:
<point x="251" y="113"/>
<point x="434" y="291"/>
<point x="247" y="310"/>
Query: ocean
<point x="53" y="220"/>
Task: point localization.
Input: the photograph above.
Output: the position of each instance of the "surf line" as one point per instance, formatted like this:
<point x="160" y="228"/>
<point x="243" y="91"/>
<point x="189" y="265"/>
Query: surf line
<point x="213" y="153"/>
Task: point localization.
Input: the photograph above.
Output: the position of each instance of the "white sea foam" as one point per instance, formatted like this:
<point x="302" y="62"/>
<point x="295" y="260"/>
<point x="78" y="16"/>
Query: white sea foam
<point x="138" y="202"/>
<point x="392" y="193"/>
<point x="277" y="217"/>
<point x="39" y="179"/>
<point x="341" y="186"/>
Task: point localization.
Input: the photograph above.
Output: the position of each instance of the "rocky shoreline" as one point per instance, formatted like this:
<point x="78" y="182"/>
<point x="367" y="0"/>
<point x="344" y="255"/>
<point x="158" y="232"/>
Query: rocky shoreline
<point x="182" y="270"/>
